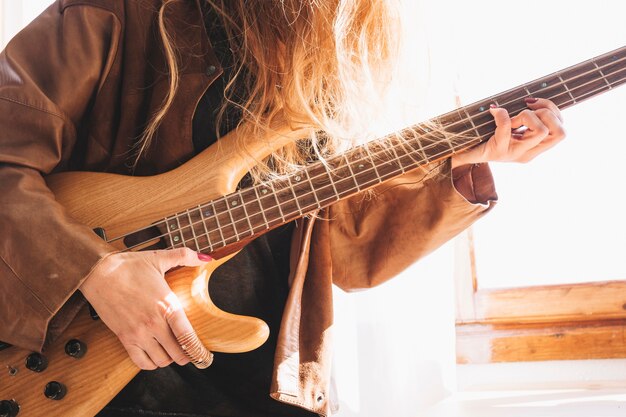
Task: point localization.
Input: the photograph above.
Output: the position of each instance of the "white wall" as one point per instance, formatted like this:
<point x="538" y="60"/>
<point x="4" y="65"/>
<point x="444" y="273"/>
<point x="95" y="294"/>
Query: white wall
<point x="15" y="13"/>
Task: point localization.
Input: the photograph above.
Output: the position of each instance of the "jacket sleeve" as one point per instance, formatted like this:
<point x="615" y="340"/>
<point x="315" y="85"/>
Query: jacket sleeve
<point x="49" y="73"/>
<point x="374" y="238"/>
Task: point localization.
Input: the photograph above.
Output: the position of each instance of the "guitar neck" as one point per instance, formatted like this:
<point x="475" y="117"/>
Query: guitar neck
<point x="254" y="210"/>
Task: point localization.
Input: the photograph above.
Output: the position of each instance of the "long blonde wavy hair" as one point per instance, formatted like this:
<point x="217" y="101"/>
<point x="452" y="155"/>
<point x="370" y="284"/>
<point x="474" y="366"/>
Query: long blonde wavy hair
<point x="319" y="63"/>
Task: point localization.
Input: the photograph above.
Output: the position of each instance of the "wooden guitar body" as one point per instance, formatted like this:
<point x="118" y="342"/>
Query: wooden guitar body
<point x="200" y="197"/>
<point x="120" y="204"/>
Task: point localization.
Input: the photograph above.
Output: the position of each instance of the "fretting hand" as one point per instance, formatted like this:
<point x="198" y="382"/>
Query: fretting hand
<point x="543" y="129"/>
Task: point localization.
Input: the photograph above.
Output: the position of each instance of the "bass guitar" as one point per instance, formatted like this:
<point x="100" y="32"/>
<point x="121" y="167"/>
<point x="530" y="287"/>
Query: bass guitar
<point x="201" y="208"/>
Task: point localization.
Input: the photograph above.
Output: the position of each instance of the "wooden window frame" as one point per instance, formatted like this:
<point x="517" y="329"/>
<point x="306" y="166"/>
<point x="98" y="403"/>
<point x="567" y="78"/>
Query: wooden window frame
<point x="535" y="323"/>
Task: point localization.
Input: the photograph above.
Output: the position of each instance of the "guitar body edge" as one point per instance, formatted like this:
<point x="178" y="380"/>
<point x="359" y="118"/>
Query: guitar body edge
<point x="119" y="205"/>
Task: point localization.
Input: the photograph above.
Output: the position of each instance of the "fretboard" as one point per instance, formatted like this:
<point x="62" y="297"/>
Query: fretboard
<point x="227" y="220"/>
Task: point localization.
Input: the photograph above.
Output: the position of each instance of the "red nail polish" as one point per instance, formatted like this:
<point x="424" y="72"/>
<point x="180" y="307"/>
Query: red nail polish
<point x="517" y="135"/>
<point x="493" y="106"/>
<point x="531" y="100"/>
<point x="204" y="257"/>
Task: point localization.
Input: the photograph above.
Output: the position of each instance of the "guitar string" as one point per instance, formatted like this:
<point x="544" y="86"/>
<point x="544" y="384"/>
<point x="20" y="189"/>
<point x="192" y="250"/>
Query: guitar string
<point x="368" y="184"/>
<point x="326" y="172"/>
<point x="233" y="224"/>
<point x="252" y="231"/>
<point x="463" y="119"/>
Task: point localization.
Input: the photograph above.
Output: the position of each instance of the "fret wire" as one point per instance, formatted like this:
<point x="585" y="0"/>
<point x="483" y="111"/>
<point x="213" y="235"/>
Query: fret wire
<point x="562" y="93"/>
<point x="416" y="161"/>
<point x="404" y="145"/>
<point x="566" y="88"/>
<point x="395" y="154"/>
<point x="593" y="61"/>
<point x="424" y="155"/>
<point x="295" y="196"/>
<point x="461" y="120"/>
<point x="582" y="85"/>
<point x="586" y="95"/>
<point x="245" y="211"/>
<point x="332" y="182"/>
<point x="570" y="79"/>
<point x="598" y="68"/>
<point x="217" y="221"/>
<point x="258" y="198"/>
<point x="621" y="71"/>
<point x="410" y="152"/>
<point x="167" y="229"/>
<point x="579" y="75"/>
<point x="593" y="92"/>
<point x="573" y="67"/>
<point x="351" y="172"/>
<point x="492" y="98"/>
<point x="352" y="190"/>
<point x="193" y="230"/>
<point x="206" y="230"/>
<point x="421" y="148"/>
<point x="371" y="158"/>
<point x="374" y="182"/>
<point x="472" y="122"/>
<point x="280" y="209"/>
<point x="232" y="219"/>
<point x="180" y="232"/>
<point x="343" y="185"/>
<point x="398" y="171"/>
<point x="507" y="103"/>
<point x="313" y="190"/>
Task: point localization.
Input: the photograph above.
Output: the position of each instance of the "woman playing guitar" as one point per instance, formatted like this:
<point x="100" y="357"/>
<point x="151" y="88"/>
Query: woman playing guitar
<point x="139" y="88"/>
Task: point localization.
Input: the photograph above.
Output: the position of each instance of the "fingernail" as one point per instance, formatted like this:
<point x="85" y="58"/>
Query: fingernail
<point x="517" y="135"/>
<point x="204" y="257"/>
<point x="493" y="106"/>
<point x="531" y="100"/>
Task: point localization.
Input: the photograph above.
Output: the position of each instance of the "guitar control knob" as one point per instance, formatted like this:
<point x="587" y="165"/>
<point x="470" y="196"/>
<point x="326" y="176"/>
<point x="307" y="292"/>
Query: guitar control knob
<point x="9" y="408"/>
<point x="54" y="390"/>
<point x="75" y="348"/>
<point x="36" y="362"/>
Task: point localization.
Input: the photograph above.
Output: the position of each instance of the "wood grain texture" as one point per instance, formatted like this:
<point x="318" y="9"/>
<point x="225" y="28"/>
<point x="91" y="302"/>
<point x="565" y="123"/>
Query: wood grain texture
<point x="484" y="343"/>
<point x="91" y="381"/>
<point x="573" y="302"/>
<point x="121" y="204"/>
<point x="554" y="322"/>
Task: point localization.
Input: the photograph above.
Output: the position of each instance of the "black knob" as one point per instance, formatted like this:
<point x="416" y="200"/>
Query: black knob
<point x="54" y="390"/>
<point x="36" y="362"/>
<point x="9" y="408"/>
<point x="75" y="348"/>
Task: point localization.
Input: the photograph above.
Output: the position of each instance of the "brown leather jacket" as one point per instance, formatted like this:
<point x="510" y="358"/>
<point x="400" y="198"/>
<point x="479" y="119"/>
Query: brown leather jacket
<point x="76" y="89"/>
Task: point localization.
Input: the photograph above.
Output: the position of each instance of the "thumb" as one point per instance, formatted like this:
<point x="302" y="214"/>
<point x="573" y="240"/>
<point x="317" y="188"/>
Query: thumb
<point x="168" y="259"/>
<point x="502" y="118"/>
